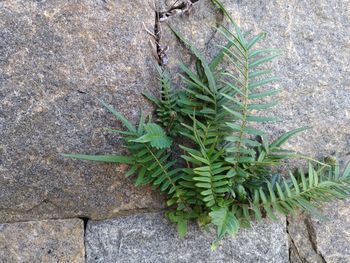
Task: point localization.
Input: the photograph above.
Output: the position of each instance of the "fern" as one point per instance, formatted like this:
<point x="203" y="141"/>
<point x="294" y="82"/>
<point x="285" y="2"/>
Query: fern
<point x="243" y="106"/>
<point x="301" y="191"/>
<point x="155" y="135"/>
<point x="207" y="150"/>
<point x="166" y="111"/>
<point x="226" y="222"/>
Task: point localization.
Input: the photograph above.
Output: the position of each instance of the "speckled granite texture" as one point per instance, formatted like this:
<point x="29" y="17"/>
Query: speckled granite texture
<point x="56" y="58"/>
<point x="150" y="238"/>
<point x="48" y="241"/>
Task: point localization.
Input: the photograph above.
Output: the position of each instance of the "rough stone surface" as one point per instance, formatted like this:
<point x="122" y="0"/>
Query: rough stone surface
<point x="56" y="58"/>
<point x="314" y="240"/>
<point x="48" y="241"/>
<point x="333" y="235"/>
<point x="151" y="238"/>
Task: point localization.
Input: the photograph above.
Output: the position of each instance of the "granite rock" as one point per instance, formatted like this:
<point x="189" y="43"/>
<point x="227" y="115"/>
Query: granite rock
<point x="43" y="241"/>
<point x="151" y="238"/>
<point x="333" y="234"/>
<point x="56" y="58"/>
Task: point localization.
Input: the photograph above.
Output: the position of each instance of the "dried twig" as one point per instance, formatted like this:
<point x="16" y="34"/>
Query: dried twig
<point x="185" y="7"/>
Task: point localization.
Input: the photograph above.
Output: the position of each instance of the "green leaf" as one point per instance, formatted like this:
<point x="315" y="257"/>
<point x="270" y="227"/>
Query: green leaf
<point x="256" y="39"/>
<point x="203" y="160"/>
<point x="156" y="136"/>
<point x="102" y="158"/>
<point x="261" y="119"/>
<point x="259" y="73"/>
<point x="262" y="82"/>
<point x="270" y="213"/>
<point x="132" y="170"/>
<point x="311" y="175"/>
<point x="225" y="221"/>
<point x="303" y="179"/>
<point x="238" y="115"/>
<point x="262" y="51"/>
<point x="202" y="179"/>
<point x="280" y="192"/>
<point x="223" y="9"/>
<point x="257" y="213"/>
<point x="120" y="117"/>
<point x="182" y="227"/>
<point x="141" y="180"/>
<point x="263" y="94"/>
<point x="141" y="123"/>
<point x="240" y="37"/>
<point x="295" y="183"/>
<point x="219" y="57"/>
<point x="346" y="172"/>
<point x="208" y="73"/>
<point x="151" y="98"/>
<point x="262" y="196"/>
<point x="286" y="136"/>
<point x="262" y="60"/>
<point x="207" y="192"/>
<point x="203" y="185"/>
<point x="272" y="193"/>
<point x="262" y="106"/>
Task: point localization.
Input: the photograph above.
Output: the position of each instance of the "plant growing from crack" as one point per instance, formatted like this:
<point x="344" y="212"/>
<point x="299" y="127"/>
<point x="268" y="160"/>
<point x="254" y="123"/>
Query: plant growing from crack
<point x="228" y="171"/>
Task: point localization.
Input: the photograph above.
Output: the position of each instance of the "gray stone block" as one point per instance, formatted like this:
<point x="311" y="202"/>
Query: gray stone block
<point x="48" y="241"/>
<point x="151" y="238"/>
<point x="333" y="234"/>
<point x="56" y="58"/>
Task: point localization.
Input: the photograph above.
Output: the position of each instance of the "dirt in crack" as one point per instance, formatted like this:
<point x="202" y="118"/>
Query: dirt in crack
<point x="85" y="222"/>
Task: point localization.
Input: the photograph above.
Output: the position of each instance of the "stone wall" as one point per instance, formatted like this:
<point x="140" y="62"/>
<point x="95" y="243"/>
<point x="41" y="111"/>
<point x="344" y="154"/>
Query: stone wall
<point x="58" y="56"/>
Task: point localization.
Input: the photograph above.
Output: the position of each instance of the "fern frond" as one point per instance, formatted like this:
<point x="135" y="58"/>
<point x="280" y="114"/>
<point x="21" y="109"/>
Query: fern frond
<point x="240" y="104"/>
<point x="208" y="72"/>
<point x="166" y="110"/>
<point x="152" y="163"/>
<point x="302" y="191"/>
<point x="226" y="223"/>
<point x="209" y="170"/>
<point x="203" y="95"/>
